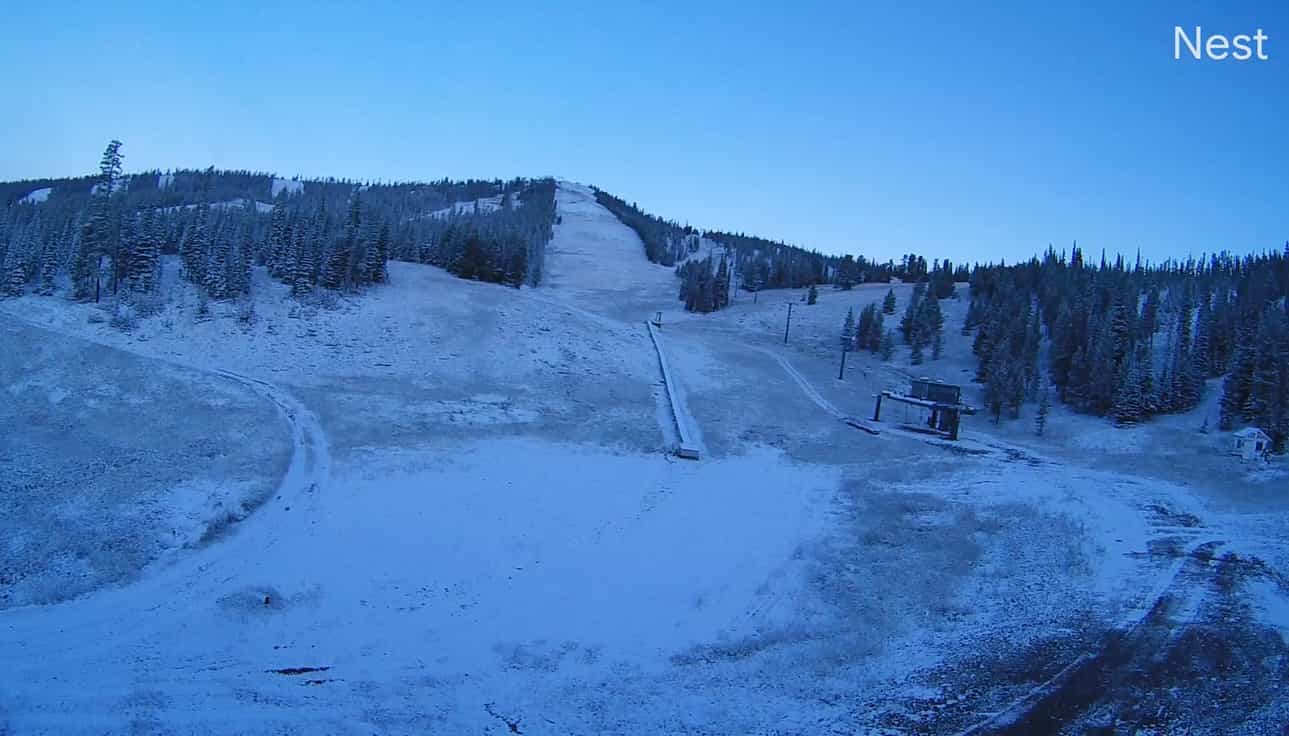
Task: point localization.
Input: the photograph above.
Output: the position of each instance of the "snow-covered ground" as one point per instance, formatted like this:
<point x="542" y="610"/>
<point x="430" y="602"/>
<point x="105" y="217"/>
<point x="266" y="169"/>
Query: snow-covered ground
<point x="239" y="203"/>
<point x="481" y="206"/>
<point x="290" y="186"/>
<point x="478" y="526"/>
<point x="36" y="196"/>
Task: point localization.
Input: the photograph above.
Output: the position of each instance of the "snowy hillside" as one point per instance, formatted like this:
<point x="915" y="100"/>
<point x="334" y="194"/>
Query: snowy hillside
<point x="290" y="186"/>
<point x="37" y="196"/>
<point x="442" y="505"/>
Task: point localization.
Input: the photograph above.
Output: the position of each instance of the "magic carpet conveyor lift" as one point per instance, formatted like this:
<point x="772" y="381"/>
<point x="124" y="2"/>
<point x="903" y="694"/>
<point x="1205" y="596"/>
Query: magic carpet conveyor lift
<point x="943" y="400"/>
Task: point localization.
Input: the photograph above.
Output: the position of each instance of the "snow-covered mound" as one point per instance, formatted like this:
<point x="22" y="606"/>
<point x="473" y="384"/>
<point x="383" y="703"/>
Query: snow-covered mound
<point x="119" y="185"/>
<point x="239" y="203"/>
<point x="290" y="186"/>
<point x="480" y="206"/>
<point x="37" y="196"/>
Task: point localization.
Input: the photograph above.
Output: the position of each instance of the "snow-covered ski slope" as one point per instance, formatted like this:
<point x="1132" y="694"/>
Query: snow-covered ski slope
<point x="480" y="528"/>
<point x="599" y="264"/>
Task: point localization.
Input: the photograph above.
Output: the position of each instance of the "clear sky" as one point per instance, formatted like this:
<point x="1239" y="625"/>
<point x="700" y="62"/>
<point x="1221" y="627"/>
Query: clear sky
<point x="968" y="130"/>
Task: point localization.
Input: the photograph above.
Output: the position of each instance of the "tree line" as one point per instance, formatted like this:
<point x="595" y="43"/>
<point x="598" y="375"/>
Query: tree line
<point x="711" y="263"/>
<point x="107" y="233"/>
<point x="1131" y="342"/>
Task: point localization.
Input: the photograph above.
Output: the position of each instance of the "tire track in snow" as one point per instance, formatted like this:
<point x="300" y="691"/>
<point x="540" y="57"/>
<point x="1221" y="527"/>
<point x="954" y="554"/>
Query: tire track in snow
<point x="1018" y="709"/>
<point x="310" y="465"/>
<point x="105" y="632"/>
<point x="311" y="453"/>
<point x="809" y="390"/>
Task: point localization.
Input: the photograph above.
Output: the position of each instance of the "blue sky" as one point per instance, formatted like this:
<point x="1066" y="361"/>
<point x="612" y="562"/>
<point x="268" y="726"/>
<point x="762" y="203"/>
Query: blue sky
<point x="964" y="130"/>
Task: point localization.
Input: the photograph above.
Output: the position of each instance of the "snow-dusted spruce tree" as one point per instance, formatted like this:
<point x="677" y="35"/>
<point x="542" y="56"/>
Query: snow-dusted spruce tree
<point x="194" y="248"/>
<point x="145" y="255"/>
<point x="50" y="262"/>
<point x="101" y="227"/>
<point x="812" y="295"/>
<point x="1128" y="408"/>
<point x="215" y="270"/>
<point x="305" y="265"/>
<point x="869" y="330"/>
<point x="276" y="255"/>
<point x="13" y="278"/>
<point x="378" y="256"/>
<point x="888" y="302"/>
<point x="1044" y="408"/>
<point x="908" y="323"/>
<point x="888" y="345"/>
<point x="721" y="286"/>
<point x="929" y="325"/>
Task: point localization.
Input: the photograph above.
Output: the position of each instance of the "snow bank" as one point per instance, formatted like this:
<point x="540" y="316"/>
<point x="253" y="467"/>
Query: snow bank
<point x="292" y="187"/>
<point x="483" y="205"/>
<point x="261" y="207"/>
<point x="37" y="196"/>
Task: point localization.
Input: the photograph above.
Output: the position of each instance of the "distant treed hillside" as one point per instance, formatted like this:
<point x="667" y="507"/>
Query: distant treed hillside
<point x="1131" y="342"/>
<point x="752" y="263"/>
<point x="89" y="235"/>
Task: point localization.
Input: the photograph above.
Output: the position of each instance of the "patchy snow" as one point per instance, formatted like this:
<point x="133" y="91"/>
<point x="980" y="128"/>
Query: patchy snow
<point x="481" y="206"/>
<point x="262" y="208"/>
<point x="119" y="185"/>
<point x="292" y="187"/>
<point x="165" y="181"/>
<point x="36" y="196"/>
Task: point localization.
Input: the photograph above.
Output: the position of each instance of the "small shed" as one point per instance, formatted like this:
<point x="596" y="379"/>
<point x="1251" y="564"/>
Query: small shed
<point x="943" y="402"/>
<point x="1250" y="443"/>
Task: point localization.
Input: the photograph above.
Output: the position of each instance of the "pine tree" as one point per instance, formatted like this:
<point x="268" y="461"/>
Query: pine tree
<point x="100" y="227"/>
<point x="888" y="303"/>
<point x="888" y="345"/>
<point x="195" y="248"/>
<point x="848" y="331"/>
<point x="302" y="274"/>
<point x="929" y="326"/>
<point x="1127" y="403"/>
<point x="721" y="285"/>
<point x="377" y="266"/>
<point x="908" y="324"/>
<point x="14" y="277"/>
<point x="996" y="387"/>
<point x="1202" y="348"/>
<point x="279" y="241"/>
<point x="85" y="264"/>
<point x="145" y="255"/>
<point x="812" y="295"/>
<point x="1044" y="408"/>
<point x="217" y="265"/>
<point x="49" y="264"/>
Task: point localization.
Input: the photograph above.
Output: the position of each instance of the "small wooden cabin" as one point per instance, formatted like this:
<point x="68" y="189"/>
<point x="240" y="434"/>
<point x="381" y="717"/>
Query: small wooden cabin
<point x="1250" y="443"/>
